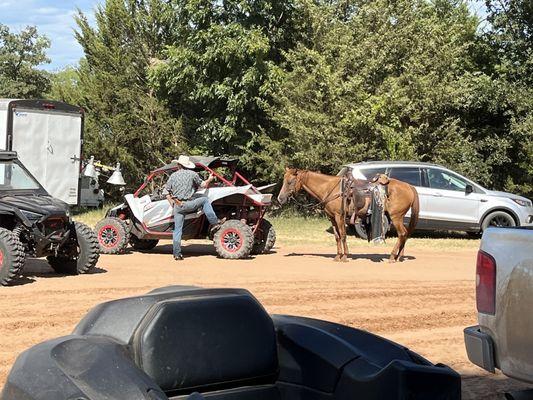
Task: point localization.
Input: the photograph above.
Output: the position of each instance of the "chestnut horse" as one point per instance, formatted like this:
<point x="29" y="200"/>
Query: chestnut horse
<point x="327" y="190"/>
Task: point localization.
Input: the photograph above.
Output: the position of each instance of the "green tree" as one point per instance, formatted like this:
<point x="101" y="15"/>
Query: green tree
<point x="396" y="80"/>
<point x="20" y="55"/>
<point x="511" y="38"/>
<point x="126" y="121"/>
<point x="216" y="76"/>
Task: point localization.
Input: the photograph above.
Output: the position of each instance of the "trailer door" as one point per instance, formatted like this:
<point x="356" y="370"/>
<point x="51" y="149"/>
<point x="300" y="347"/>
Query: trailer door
<point x="49" y="145"/>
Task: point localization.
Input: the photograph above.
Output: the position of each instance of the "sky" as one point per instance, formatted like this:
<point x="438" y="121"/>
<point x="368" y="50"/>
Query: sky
<point x="54" y="18"/>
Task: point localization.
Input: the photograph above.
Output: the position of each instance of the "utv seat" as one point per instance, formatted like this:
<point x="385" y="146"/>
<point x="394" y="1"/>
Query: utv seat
<point x="222" y="345"/>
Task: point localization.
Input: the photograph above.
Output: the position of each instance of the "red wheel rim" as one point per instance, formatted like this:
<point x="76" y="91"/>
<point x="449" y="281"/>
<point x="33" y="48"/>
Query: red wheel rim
<point x="231" y="240"/>
<point x="108" y="236"/>
<point x="1" y="258"/>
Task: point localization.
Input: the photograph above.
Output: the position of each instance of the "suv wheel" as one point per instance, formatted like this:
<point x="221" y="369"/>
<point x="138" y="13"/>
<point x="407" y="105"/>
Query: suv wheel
<point x="113" y="235"/>
<point x="12" y="256"/>
<point x="234" y="240"/>
<point x="498" y="219"/>
<point x="77" y="256"/>
<point x="265" y="238"/>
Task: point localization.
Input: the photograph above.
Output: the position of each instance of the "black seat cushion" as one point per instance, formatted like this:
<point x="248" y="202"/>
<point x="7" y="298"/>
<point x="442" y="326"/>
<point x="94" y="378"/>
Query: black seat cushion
<point x="206" y="342"/>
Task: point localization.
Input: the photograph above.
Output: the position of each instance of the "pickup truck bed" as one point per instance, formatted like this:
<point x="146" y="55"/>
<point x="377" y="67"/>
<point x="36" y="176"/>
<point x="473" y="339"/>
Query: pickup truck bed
<point x="504" y="293"/>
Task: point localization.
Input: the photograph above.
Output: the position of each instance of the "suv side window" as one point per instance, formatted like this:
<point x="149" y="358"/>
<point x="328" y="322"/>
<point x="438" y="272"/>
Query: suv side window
<point x="445" y="180"/>
<point x="370" y="173"/>
<point x="410" y="175"/>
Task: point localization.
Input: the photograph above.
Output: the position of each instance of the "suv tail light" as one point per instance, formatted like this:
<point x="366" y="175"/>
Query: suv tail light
<point x="486" y="283"/>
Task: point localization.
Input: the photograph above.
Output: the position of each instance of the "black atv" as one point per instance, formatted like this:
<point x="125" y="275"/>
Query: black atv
<point x="34" y="224"/>
<point x="180" y="343"/>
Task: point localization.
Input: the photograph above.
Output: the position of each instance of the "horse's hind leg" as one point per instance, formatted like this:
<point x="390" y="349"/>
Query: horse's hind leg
<point x="341" y="226"/>
<point x="337" y="239"/>
<point x="402" y="238"/>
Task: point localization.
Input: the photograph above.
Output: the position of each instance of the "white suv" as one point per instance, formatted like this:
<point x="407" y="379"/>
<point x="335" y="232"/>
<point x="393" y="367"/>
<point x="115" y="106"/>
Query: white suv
<point x="449" y="201"/>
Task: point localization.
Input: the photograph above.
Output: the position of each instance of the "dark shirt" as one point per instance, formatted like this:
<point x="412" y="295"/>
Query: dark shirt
<point x="182" y="184"/>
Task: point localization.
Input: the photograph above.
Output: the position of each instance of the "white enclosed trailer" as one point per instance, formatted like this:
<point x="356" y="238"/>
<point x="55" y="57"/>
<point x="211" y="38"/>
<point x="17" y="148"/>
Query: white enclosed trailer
<point x="48" y="137"/>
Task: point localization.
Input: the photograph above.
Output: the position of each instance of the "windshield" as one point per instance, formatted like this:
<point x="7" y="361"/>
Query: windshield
<point x="14" y="177"/>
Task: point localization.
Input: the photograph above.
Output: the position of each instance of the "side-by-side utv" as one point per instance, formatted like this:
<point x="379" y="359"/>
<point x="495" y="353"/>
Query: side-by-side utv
<point x="146" y="216"/>
<point x="35" y="224"/>
<point x="192" y="343"/>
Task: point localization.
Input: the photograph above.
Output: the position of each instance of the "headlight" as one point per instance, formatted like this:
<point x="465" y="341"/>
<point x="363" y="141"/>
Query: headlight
<point x="523" y="203"/>
<point x="31" y="215"/>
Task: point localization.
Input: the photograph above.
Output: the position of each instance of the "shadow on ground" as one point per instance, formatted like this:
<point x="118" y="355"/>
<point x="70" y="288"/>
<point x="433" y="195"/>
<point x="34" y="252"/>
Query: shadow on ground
<point x="497" y="385"/>
<point x="39" y="268"/>
<point x="374" y="257"/>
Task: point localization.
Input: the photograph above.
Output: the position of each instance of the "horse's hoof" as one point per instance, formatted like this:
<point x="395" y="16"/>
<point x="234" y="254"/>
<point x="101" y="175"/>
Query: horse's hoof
<point x="344" y="259"/>
<point x="337" y="259"/>
<point x="392" y="261"/>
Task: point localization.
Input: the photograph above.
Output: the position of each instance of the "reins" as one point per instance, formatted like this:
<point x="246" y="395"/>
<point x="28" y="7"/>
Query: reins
<point x="323" y="202"/>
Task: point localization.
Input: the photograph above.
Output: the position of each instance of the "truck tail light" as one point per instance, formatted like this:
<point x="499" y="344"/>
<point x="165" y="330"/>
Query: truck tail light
<point x="486" y="283"/>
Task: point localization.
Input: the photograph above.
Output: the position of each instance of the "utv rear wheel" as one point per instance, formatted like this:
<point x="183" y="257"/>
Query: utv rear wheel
<point x="12" y="257"/>
<point x="143" y="244"/>
<point x="234" y="240"/>
<point x="79" y="255"/>
<point x="265" y="238"/>
<point x="113" y="235"/>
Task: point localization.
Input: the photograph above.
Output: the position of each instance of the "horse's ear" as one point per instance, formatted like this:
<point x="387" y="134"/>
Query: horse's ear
<point x="287" y="169"/>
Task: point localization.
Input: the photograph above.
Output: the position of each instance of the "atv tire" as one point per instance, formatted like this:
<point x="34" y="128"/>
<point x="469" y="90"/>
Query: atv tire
<point x="84" y="256"/>
<point x="265" y="239"/>
<point x="234" y="240"/>
<point x="12" y="257"/>
<point x="142" y="244"/>
<point x="113" y="235"/>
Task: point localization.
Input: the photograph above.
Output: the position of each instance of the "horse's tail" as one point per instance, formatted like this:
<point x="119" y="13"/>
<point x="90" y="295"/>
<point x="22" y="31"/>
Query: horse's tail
<point x="415" y="210"/>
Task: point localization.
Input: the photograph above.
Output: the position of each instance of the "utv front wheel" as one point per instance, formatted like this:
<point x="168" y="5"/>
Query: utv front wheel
<point x="142" y="244"/>
<point x="265" y="238"/>
<point x="113" y="235"/>
<point x="234" y="240"/>
<point x="79" y="255"/>
<point x="12" y="256"/>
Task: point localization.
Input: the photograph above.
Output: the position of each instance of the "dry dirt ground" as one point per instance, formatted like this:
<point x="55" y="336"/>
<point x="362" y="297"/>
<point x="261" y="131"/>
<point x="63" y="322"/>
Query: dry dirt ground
<point x="423" y="303"/>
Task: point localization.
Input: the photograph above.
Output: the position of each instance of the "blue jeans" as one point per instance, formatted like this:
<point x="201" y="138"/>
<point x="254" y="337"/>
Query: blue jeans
<point x="188" y="207"/>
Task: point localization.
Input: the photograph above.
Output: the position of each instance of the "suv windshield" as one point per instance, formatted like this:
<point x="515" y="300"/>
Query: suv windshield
<point x="14" y="177"/>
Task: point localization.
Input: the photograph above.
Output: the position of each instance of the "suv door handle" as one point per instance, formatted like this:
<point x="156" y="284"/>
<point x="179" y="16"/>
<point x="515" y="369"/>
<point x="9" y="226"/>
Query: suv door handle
<point x="437" y="194"/>
<point x="483" y="200"/>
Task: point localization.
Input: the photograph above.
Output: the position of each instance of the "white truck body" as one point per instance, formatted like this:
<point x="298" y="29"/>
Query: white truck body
<point x="504" y="338"/>
<point x="47" y="136"/>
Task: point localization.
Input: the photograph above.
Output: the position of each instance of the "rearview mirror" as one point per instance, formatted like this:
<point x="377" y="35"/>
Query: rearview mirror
<point x="469" y="189"/>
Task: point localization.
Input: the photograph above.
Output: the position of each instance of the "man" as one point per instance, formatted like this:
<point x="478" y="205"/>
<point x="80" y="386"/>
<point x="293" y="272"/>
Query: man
<point x="180" y="192"/>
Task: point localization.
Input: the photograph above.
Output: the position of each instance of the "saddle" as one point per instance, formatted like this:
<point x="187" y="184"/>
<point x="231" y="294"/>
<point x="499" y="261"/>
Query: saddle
<point x="366" y="200"/>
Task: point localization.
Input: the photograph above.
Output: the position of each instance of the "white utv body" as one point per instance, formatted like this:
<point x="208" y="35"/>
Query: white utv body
<point x="146" y="216"/>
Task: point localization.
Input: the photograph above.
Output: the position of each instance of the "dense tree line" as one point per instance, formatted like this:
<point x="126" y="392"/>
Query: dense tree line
<point x="311" y="83"/>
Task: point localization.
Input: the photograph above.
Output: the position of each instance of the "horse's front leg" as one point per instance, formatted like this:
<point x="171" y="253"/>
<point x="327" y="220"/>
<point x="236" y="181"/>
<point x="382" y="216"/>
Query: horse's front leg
<point x="337" y="239"/>
<point x="341" y="225"/>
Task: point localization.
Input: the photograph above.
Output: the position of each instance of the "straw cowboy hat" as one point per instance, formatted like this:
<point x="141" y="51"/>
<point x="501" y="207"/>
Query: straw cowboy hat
<point x="184" y="161"/>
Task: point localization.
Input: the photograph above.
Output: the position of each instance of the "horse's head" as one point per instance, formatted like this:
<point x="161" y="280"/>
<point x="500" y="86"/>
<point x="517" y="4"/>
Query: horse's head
<point x="292" y="183"/>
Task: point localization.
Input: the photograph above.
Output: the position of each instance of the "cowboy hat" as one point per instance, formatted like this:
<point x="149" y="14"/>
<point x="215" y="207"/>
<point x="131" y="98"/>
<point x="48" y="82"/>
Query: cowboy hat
<point x="184" y="161"/>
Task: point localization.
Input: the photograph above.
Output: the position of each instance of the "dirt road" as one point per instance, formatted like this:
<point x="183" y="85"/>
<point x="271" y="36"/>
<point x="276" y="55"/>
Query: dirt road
<point x="423" y="303"/>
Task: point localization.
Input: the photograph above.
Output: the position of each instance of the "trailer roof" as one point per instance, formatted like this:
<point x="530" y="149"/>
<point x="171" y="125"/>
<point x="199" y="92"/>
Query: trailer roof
<point x="40" y="104"/>
<point x="203" y="161"/>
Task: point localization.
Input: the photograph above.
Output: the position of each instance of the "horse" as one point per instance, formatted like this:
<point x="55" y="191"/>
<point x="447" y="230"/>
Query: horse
<point x="327" y="190"/>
